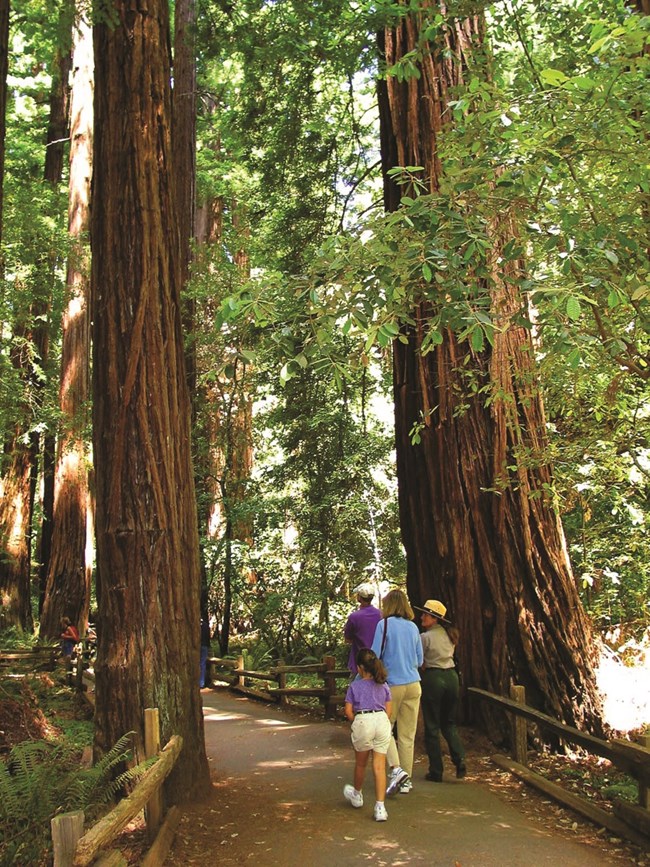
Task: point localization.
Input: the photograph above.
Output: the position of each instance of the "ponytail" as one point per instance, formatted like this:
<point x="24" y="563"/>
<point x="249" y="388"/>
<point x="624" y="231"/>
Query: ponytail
<point x="371" y="663"/>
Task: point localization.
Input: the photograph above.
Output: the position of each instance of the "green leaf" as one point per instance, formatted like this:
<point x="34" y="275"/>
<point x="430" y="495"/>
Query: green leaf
<point x="391" y="328"/>
<point x="573" y="308"/>
<point x="554" y="77"/>
<point x="427" y="273"/>
<point x="573" y="359"/>
<point x="599" y="43"/>
<point x="477" y="339"/>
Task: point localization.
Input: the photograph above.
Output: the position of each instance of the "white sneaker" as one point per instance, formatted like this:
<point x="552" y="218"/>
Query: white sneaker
<point x="397" y="777"/>
<point x="354" y="797"/>
<point x="406" y="787"/>
<point x="380" y="812"/>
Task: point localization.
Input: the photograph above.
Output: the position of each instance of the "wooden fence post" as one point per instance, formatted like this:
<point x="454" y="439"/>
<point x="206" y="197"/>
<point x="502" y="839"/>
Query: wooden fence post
<point x="67" y="829"/>
<point x="644" y="790"/>
<point x="330" y="686"/>
<point x="520" y="728"/>
<point x="240" y="666"/>
<point x="154" y="808"/>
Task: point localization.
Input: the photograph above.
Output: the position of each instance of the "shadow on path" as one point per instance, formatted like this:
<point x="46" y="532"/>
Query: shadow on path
<point x="278" y="779"/>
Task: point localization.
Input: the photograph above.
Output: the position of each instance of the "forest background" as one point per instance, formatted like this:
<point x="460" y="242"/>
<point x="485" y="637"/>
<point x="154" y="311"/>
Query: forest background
<point x="299" y="289"/>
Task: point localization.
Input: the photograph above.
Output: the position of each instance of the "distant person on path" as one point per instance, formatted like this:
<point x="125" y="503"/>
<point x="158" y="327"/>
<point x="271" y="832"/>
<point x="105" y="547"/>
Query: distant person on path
<point x="368" y="707"/>
<point x="205" y="649"/>
<point x="440" y="688"/>
<point x="397" y="643"/>
<point x="69" y="637"/>
<point x="361" y="624"/>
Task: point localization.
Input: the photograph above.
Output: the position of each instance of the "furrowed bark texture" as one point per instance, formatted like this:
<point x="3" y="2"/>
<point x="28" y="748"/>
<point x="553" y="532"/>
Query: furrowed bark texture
<point x="477" y="516"/>
<point x="67" y="589"/>
<point x="15" y="509"/>
<point x="147" y="540"/>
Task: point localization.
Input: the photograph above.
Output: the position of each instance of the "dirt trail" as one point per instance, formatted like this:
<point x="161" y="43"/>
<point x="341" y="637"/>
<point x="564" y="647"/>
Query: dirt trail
<point x="277" y="800"/>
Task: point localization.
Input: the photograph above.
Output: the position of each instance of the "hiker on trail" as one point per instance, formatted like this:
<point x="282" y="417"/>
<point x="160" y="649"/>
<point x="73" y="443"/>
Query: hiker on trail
<point x="360" y="626"/>
<point x="368" y="707"/>
<point x="69" y="636"/>
<point x="440" y="688"/>
<point x="397" y="643"/>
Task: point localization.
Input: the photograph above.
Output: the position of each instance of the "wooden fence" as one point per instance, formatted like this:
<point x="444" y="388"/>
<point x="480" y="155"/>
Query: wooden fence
<point x="238" y="678"/>
<point x="74" y="848"/>
<point x="37" y="658"/>
<point x="629" y="820"/>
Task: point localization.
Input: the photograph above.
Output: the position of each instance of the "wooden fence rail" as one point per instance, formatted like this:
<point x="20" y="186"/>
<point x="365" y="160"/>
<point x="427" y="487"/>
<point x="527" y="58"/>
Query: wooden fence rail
<point x="234" y="673"/>
<point x="71" y="849"/>
<point x="36" y="658"/>
<point x="629" y="820"/>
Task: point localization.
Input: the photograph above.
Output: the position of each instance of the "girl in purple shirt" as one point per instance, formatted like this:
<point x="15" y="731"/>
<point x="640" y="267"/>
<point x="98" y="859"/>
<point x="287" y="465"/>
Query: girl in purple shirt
<point x="368" y="707"/>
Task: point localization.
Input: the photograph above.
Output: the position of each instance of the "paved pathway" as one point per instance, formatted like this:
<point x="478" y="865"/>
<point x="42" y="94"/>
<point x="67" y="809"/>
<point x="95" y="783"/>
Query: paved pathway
<point x="279" y="780"/>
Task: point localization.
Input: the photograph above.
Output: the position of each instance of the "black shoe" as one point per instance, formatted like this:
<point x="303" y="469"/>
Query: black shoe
<point x="461" y="771"/>
<point x="433" y="778"/>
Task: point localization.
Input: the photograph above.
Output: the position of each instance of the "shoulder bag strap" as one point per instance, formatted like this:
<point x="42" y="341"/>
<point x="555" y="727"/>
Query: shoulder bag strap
<point x="383" y="639"/>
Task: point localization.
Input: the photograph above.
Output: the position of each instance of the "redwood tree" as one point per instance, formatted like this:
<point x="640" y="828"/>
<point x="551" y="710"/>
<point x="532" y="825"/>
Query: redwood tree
<point x="67" y="588"/>
<point x="147" y="540"/>
<point x="478" y="523"/>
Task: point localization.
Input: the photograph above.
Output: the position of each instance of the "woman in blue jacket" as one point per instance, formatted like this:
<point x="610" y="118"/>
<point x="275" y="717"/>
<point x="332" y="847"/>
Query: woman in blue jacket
<point x="397" y="643"/>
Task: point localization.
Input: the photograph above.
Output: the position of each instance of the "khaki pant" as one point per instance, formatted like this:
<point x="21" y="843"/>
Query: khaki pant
<point x="406" y="704"/>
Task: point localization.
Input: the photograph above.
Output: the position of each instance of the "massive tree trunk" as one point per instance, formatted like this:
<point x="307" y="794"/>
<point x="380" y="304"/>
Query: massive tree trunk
<point x="57" y="135"/>
<point x="478" y="522"/>
<point x="67" y="588"/>
<point x="147" y="540"/>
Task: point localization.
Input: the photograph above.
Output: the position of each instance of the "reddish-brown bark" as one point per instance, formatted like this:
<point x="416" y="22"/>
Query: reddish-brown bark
<point x="147" y="539"/>
<point x="67" y="588"/>
<point x="477" y="515"/>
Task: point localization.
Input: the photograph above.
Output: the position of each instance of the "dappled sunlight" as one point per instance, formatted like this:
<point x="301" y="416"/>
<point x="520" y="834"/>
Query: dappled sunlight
<point x="623" y="678"/>
<point x="217" y="716"/>
<point x="458" y="812"/>
<point x="302" y="762"/>
<point x="212" y="715"/>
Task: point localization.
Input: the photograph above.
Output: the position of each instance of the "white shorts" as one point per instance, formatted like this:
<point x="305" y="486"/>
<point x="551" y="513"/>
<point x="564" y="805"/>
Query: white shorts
<point x="371" y="731"/>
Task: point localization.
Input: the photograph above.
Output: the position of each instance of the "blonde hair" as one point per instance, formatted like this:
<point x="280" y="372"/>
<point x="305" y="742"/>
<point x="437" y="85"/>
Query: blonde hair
<point x="396" y="604"/>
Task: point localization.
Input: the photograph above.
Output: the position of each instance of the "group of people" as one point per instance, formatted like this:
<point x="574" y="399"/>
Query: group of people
<point x="396" y="671"/>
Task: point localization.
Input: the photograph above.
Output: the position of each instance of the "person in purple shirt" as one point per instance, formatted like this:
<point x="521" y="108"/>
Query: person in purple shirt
<point x="361" y="624"/>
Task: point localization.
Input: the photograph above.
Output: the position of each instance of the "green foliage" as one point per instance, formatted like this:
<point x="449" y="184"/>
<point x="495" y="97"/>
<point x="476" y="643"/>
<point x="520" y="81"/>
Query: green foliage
<point x="40" y="779"/>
